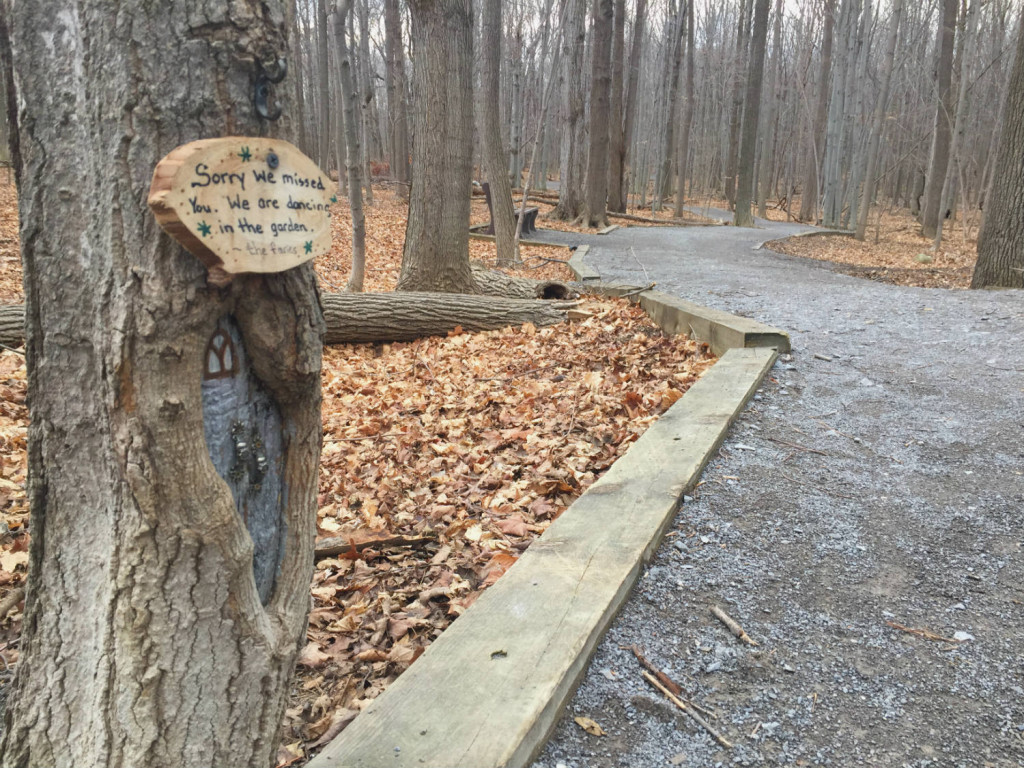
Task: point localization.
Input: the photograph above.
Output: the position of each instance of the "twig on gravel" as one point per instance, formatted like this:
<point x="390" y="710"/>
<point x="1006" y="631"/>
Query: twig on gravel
<point x="826" y="358"/>
<point x="816" y="488"/>
<point x="667" y="681"/>
<point x="732" y="624"/>
<point x="633" y="254"/>
<point x="688" y="710"/>
<point x="925" y="633"/>
<point x="637" y="291"/>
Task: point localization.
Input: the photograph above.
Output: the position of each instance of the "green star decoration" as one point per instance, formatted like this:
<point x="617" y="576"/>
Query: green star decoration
<point x="309" y="246"/>
<point x="334" y="198"/>
<point x="245" y="154"/>
<point x="204" y="228"/>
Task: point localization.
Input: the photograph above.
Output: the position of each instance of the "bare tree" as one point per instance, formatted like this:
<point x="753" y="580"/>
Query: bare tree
<point x="751" y="110"/>
<point x="616" y="135"/>
<point x="943" y="123"/>
<point x="812" y="168"/>
<point x="573" y="158"/>
<point x="686" y="126"/>
<point x="394" y="61"/>
<point x="595" y="213"/>
<point x="147" y="641"/>
<point x="436" y="255"/>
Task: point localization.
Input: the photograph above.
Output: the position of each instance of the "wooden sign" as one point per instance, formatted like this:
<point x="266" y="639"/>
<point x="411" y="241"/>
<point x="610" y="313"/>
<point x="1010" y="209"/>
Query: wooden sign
<point x="243" y="204"/>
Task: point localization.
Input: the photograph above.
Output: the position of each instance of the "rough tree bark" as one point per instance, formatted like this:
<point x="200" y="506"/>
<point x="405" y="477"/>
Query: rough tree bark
<point x="686" y="126"/>
<point x="323" y="87"/>
<point x="394" y="63"/>
<point x="751" y="111"/>
<point x="349" y="96"/>
<point x="736" y="114"/>
<point x="616" y="135"/>
<point x="630" y="108"/>
<point x="594" y="214"/>
<point x="810" y="193"/>
<point x="673" y="57"/>
<point x="942" y="130"/>
<point x="495" y="158"/>
<point x="1001" y="239"/>
<point x="436" y="255"/>
<point x="145" y="640"/>
<point x="571" y="165"/>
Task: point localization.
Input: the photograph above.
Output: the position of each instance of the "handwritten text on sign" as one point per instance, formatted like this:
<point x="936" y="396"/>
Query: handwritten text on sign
<point x="244" y="204"/>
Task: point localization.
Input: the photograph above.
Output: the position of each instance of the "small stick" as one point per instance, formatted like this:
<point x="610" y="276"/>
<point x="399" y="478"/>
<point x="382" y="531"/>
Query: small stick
<point x="12" y="349"/>
<point x="9" y="603"/>
<point x="697" y="718"/>
<point x="730" y="622"/>
<point x="826" y="358"/>
<point x="357" y="439"/>
<point x="926" y="634"/>
<point x="665" y="680"/>
<point x="797" y="446"/>
<point x="637" y="291"/>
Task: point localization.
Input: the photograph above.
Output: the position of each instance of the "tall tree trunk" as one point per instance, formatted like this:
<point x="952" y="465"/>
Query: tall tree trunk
<point x="736" y="114"/>
<point x="394" y="60"/>
<point x="295" y="53"/>
<point x="631" y="104"/>
<point x="515" y="162"/>
<point x="541" y="173"/>
<point x="571" y="178"/>
<point x="685" y="127"/>
<point x="324" y="86"/>
<point x="349" y="97"/>
<point x="663" y="182"/>
<point x="495" y="157"/>
<point x="751" y="112"/>
<point x="372" y="143"/>
<point x="878" y="122"/>
<point x="146" y="641"/>
<point x="436" y="255"/>
<point x="1001" y="239"/>
<point x="942" y="125"/>
<point x="616" y="134"/>
<point x="811" y="191"/>
<point x="767" y="173"/>
<point x="595" y="214"/>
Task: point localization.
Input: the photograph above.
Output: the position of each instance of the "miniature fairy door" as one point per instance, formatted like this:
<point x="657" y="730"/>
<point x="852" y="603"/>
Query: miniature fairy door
<point x="242" y="426"/>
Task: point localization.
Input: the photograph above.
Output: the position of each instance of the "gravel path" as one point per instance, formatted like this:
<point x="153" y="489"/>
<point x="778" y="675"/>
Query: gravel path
<point x="879" y="477"/>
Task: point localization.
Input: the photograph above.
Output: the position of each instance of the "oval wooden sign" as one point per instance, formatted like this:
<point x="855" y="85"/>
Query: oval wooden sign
<point x="243" y="204"/>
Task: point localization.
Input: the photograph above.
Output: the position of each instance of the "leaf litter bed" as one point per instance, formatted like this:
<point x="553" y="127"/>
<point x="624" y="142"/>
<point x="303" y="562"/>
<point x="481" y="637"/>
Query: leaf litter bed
<point x="442" y="460"/>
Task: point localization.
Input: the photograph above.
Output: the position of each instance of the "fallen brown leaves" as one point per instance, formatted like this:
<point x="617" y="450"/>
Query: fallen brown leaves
<point x="442" y="460"/>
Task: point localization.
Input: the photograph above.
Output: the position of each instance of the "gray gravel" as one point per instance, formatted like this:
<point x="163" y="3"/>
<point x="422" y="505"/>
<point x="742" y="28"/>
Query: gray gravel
<point x="878" y="477"/>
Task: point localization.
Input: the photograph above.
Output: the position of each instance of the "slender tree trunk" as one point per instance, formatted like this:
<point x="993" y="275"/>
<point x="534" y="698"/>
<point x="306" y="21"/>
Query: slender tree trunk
<point x="943" y="122"/>
<point x="767" y="134"/>
<point x="541" y="173"/>
<point x="571" y="180"/>
<point x="631" y="107"/>
<point x="685" y="127"/>
<point x="600" y="86"/>
<point x="668" y="144"/>
<point x="495" y="157"/>
<point x="1001" y="239"/>
<point x="349" y="97"/>
<point x="295" y="53"/>
<point x="736" y="114"/>
<point x="367" y="102"/>
<point x="324" y="84"/>
<point x="436" y="255"/>
<point x="811" y="191"/>
<point x="751" y="111"/>
<point x="395" y="66"/>
<point x="878" y="122"/>
<point x="515" y="162"/>
<point x="146" y="642"/>
<point x="616" y="134"/>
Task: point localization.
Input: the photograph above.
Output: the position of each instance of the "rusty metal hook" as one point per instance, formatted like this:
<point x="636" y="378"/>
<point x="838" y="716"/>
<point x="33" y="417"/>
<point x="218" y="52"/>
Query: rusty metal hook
<point x="261" y="90"/>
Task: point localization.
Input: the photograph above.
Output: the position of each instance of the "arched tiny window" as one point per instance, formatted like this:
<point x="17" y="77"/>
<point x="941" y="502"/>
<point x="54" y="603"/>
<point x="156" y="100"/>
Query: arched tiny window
<point x="221" y="358"/>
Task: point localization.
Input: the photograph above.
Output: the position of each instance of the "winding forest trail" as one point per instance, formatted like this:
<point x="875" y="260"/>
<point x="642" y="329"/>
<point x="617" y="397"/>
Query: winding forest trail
<point x="877" y="479"/>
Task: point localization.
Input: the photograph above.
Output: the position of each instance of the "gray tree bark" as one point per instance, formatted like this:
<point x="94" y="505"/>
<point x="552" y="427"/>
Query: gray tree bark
<point x="600" y="90"/>
<point x="145" y="641"/>
<point x="436" y="255"/>
<point x="673" y="53"/>
<point x="349" y="96"/>
<point x="685" y="128"/>
<point x="616" y="133"/>
<point x="1001" y="239"/>
<point x="495" y="158"/>
<point x="324" y="87"/>
<point x="631" y="106"/>
<point x="751" y="111"/>
<point x="573" y="158"/>
<point x="943" y="123"/>
<point x="811" y="191"/>
<point x="767" y="164"/>
<point x="394" y="60"/>
<point x="736" y="113"/>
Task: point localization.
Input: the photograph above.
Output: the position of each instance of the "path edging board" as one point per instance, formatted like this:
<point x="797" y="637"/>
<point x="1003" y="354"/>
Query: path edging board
<point x="489" y="690"/>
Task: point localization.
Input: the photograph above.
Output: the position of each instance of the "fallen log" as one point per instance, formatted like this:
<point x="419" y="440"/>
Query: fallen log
<point x="355" y="318"/>
<point x="494" y="283"/>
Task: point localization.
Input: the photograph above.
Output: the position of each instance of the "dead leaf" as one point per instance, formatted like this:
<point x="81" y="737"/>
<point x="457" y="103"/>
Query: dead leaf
<point x="589" y="726"/>
<point x="311" y="656"/>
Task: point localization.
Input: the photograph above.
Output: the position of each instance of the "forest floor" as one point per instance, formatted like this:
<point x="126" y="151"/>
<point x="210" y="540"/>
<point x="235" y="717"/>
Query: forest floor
<point x="442" y="460"/>
<point x="861" y="522"/>
<point x="894" y="251"/>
